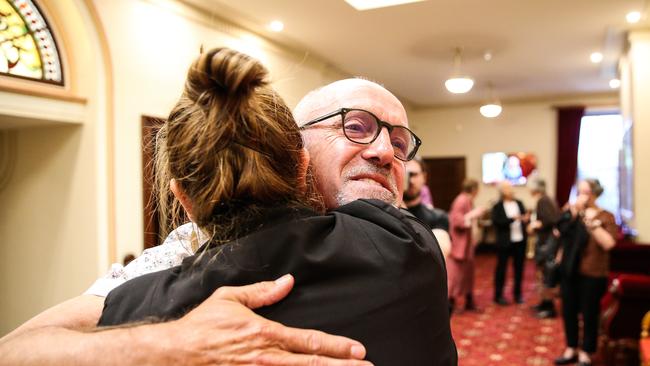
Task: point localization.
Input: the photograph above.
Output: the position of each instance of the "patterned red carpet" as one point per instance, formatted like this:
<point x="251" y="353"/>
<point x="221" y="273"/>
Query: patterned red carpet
<point x="505" y="335"/>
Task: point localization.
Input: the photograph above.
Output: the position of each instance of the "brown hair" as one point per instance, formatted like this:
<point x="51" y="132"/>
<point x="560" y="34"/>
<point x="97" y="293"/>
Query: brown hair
<point x="469" y="185"/>
<point x="232" y="145"/>
<point x="418" y="159"/>
<point x="595" y="187"/>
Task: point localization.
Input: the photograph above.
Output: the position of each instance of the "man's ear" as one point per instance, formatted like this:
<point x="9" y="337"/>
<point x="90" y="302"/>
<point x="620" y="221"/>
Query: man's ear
<point x="302" y="170"/>
<point x="183" y="198"/>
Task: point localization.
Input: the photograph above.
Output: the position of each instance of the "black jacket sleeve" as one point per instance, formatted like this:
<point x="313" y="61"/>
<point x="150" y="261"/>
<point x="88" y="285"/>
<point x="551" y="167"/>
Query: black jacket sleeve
<point x="365" y="271"/>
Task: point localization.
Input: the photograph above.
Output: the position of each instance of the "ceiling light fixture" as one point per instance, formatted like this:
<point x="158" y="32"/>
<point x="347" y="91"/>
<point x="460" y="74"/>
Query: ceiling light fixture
<point x="276" y="26"/>
<point x="493" y="107"/>
<point x="375" y="4"/>
<point x="615" y="83"/>
<point x="487" y="56"/>
<point x="633" y="17"/>
<point x="457" y="83"/>
<point x="596" y="57"/>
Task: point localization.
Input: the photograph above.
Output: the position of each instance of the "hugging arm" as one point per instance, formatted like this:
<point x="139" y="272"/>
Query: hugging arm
<point x="220" y="331"/>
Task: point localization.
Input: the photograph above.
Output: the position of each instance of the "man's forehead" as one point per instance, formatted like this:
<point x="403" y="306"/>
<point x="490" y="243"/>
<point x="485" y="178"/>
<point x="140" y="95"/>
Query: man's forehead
<point x="356" y="93"/>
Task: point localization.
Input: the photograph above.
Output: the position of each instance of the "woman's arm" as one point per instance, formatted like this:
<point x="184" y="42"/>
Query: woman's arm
<point x="457" y="213"/>
<point x="221" y="330"/>
<point x="603" y="230"/>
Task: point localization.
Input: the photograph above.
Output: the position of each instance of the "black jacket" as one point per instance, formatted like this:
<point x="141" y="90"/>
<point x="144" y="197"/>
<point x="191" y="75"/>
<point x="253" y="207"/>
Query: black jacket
<point x="573" y="238"/>
<point x="366" y="271"/>
<point x="548" y="214"/>
<point x="434" y="218"/>
<point x="502" y="223"/>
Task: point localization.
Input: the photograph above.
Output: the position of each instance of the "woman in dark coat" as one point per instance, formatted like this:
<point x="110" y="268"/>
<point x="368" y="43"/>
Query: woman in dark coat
<point x="509" y="218"/>
<point x="588" y="233"/>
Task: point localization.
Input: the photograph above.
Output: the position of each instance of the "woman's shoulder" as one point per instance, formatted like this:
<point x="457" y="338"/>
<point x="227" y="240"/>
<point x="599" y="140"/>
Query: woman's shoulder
<point x="604" y="214"/>
<point x="606" y="218"/>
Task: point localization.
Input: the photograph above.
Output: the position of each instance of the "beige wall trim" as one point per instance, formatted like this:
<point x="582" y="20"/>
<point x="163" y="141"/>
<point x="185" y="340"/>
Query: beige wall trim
<point x="47" y="110"/>
<point x="110" y="128"/>
<point x="36" y="89"/>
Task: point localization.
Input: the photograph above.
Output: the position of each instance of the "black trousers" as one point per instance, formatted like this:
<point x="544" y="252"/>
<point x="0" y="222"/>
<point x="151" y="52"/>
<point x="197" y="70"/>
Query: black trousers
<point x="581" y="295"/>
<point x="518" y="253"/>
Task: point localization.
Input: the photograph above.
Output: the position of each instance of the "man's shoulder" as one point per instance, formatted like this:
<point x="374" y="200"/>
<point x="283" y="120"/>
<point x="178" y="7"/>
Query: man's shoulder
<point x="371" y="210"/>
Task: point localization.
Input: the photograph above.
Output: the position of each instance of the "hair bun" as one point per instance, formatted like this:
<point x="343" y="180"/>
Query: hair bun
<point x="224" y="72"/>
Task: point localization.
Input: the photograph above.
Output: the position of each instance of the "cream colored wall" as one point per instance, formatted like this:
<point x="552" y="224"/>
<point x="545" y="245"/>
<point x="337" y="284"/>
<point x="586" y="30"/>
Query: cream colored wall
<point x="46" y="222"/>
<point x="639" y="58"/>
<point x="522" y="126"/>
<point x="49" y="220"/>
<point x="52" y="218"/>
<point x="152" y="44"/>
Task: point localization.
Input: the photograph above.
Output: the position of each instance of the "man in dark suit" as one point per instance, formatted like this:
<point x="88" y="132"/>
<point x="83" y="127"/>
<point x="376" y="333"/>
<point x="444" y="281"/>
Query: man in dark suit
<point x="417" y="178"/>
<point x="509" y="218"/>
<point x="546" y="215"/>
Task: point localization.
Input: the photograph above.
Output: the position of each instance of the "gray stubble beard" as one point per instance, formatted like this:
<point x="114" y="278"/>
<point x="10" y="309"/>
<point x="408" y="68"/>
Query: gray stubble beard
<point x="343" y="198"/>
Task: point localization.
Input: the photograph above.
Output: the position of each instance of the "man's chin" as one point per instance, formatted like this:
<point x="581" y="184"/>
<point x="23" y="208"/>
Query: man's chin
<point x="410" y="196"/>
<point x="374" y="192"/>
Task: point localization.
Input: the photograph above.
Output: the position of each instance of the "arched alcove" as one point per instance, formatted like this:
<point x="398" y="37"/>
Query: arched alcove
<point x="55" y="219"/>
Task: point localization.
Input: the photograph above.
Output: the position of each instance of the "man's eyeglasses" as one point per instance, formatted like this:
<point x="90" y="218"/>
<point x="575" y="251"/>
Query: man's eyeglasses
<point x="363" y="127"/>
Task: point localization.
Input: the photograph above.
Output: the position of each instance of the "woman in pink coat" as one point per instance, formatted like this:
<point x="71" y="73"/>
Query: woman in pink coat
<point x="460" y="263"/>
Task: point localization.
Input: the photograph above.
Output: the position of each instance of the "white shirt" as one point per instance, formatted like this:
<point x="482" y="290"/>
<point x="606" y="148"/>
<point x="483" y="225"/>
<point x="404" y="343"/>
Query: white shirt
<point x="512" y="211"/>
<point x="176" y="247"/>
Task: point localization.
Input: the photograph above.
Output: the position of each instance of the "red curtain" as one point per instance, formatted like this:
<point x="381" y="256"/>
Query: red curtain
<point x="568" y="136"/>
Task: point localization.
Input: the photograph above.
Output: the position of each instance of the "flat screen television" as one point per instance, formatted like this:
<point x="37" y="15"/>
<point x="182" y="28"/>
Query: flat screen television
<point x="514" y="167"/>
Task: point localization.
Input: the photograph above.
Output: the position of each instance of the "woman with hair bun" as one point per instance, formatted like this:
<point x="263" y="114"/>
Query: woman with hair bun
<point x="234" y="157"/>
<point x="588" y="233"/>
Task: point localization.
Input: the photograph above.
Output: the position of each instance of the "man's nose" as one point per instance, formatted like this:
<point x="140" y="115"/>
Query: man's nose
<point x="381" y="150"/>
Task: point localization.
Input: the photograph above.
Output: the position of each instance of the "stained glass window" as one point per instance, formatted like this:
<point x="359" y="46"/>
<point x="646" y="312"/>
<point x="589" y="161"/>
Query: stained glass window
<point x="27" y="47"/>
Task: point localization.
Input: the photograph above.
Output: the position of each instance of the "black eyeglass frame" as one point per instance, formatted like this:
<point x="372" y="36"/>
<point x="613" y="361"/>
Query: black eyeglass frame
<point x="380" y="125"/>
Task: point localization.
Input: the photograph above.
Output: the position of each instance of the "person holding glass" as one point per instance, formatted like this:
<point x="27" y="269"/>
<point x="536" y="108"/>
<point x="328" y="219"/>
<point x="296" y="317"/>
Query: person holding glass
<point x="588" y="233"/>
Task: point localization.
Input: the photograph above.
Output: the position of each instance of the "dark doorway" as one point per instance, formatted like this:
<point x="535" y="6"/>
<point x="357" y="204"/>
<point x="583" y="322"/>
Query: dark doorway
<point x="445" y="177"/>
<point x="152" y="229"/>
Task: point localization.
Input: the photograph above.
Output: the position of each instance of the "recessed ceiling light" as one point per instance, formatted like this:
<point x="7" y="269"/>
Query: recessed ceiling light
<point x="615" y="83"/>
<point x="596" y="57"/>
<point x="276" y="26"/>
<point x="633" y="17"/>
<point x="487" y="55"/>
<point x="375" y="4"/>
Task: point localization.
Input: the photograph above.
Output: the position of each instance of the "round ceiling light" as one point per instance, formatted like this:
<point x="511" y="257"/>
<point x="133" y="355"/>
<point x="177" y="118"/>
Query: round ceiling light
<point x="615" y="83"/>
<point x="459" y="85"/>
<point x="596" y="57"/>
<point x="491" y="110"/>
<point x="633" y="17"/>
<point x="276" y="26"/>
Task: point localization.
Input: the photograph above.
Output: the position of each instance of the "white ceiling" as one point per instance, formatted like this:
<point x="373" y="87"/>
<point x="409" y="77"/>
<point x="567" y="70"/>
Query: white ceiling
<point x="540" y="48"/>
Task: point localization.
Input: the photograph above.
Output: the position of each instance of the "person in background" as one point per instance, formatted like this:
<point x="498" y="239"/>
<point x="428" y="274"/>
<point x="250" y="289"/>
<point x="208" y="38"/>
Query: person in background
<point x="509" y="218"/>
<point x="588" y="233"/>
<point x="427" y="199"/>
<point x="460" y="263"/>
<point x="542" y="223"/>
<point x="412" y="197"/>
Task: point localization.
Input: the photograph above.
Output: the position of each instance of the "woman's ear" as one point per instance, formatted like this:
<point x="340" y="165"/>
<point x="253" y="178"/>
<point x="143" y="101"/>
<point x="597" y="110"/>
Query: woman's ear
<point x="302" y="170"/>
<point x="183" y="198"/>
